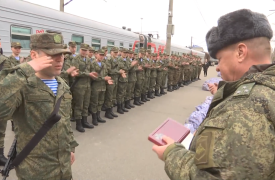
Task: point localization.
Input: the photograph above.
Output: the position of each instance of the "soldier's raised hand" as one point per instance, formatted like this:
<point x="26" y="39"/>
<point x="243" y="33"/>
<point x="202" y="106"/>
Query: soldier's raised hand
<point x="41" y="63"/>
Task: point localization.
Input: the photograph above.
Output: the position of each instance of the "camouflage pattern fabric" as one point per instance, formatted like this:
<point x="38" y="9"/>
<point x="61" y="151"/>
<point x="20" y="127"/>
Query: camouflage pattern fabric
<point x="98" y="86"/>
<point x="122" y="82"/>
<point x="82" y="89"/>
<point x="146" y="76"/>
<point x="132" y="79"/>
<point x="236" y="140"/>
<point x="159" y="75"/>
<point x="153" y="75"/>
<point x="30" y="101"/>
<point x="176" y="73"/>
<point x="165" y="73"/>
<point x="171" y="72"/>
<point x="140" y="79"/>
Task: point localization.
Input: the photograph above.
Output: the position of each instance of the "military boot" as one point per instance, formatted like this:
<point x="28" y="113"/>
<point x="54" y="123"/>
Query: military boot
<point x="150" y="95"/>
<point x="103" y="108"/>
<point x="162" y="91"/>
<point x="123" y="107"/>
<point x="146" y="97"/>
<point x="139" y="100"/>
<point x="199" y="78"/>
<point x="94" y="121"/>
<point x="170" y="88"/>
<point x="180" y="84"/>
<point x="143" y="98"/>
<point x="85" y="123"/>
<point x="127" y="104"/>
<point x="131" y="105"/>
<point x="99" y="118"/>
<point x="112" y="113"/>
<point x="136" y="101"/>
<point x="3" y="159"/>
<point x="157" y="93"/>
<point x="79" y="126"/>
<point x="119" y="108"/>
<point x="12" y="126"/>
<point x="108" y="113"/>
<point x="153" y="94"/>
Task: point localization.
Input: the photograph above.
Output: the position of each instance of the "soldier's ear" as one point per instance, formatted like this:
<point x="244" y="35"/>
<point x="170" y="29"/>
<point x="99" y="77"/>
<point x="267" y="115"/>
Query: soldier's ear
<point x="34" y="54"/>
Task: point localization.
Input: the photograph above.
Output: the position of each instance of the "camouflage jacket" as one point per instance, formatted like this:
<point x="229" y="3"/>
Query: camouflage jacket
<point x="236" y="139"/>
<point x="99" y="84"/>
<point x="69" y="57"/>
<point x="147" y="69"/>
<point x="30" y="102"/>
<point x="84" y="71"/>
<point x="2" y="61"/>
<point x="11" y="62"/>
<point x="140" y="73"/>
<point x="123" y="64"/>
<point x="113" y="69"/>
<point x="64" y="74"/>
<point x="132" y="75"/>
<point x="153" y="69"/>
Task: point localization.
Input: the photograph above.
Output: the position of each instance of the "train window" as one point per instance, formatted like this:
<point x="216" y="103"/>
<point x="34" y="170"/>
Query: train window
<point x="130" y="46"/>
<point x="136" y="48"/>
<point x="96" y="43"/>
<point x="121" y="45"/>
<point x="21" y="35"/>
<point x="110" y="44"/>
<point x="78" y="39"/>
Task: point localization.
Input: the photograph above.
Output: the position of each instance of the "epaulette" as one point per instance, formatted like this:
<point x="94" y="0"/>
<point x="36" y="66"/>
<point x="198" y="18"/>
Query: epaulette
<point x="244" y="90"/>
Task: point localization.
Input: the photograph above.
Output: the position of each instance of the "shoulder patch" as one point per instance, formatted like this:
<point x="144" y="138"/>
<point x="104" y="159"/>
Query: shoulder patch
<point x="244" y="90"/>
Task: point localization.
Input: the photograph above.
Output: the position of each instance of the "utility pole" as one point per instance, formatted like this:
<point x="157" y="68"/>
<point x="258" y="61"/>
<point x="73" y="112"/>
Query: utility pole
<point x="170" y="28"/>
<point x="191" y="42"/>
<point x="62" y="5"/>
<point x="141" y="25"/>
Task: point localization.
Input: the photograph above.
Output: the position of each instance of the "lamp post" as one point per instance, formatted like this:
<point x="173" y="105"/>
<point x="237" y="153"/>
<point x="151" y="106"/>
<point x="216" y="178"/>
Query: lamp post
<point x="141" y="25"/>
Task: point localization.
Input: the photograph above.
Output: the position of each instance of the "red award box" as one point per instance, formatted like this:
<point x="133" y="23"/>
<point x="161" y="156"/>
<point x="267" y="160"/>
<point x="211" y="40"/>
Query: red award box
<point x="170" y="128"/>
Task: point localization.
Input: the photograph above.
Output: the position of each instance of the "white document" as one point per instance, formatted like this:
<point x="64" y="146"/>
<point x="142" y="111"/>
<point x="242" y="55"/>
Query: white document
<point x="187" y="141"/>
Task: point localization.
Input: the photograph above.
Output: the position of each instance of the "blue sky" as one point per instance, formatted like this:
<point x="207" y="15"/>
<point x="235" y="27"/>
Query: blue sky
<point x="191" y="17"/>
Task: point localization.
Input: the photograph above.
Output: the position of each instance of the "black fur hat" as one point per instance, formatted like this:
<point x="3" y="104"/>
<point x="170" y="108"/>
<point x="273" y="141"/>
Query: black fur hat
<point x="235" y="27"/>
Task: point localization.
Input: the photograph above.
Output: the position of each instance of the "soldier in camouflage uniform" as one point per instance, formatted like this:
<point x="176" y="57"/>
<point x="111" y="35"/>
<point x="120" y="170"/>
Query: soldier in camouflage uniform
<point x="176" y="73"/>
<point x="111" y="89"/>
<point x="140" y="73"/>
<point x="160" y="70"/>
<point x="236" y="139"/>
<point x="81" y="89"/>
<point x="3" y="124"/>
<point x="91" y="53"/>
<point x="147" y="67"/>
<point x="99" y="86"/>
<point x="165" y="72"/>
<point x="153" y="75"/>
<point x="30" y="100"/>
<point x="132" y="79"/>
<point x="171" y="73"/>
<point x="122" y="81"/>
<point x="186" y="69"/>
<point x="199" y="68"/>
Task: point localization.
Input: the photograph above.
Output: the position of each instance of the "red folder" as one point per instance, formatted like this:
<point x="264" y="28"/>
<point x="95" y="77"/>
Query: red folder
<point x="170" y="128"/>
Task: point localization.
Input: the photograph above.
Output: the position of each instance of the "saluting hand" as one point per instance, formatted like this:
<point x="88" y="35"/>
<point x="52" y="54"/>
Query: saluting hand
<point x="41" y="63"/>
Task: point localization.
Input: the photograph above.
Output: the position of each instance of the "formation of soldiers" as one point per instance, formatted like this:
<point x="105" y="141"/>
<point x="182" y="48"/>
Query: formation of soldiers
<point x="122" y="76"/>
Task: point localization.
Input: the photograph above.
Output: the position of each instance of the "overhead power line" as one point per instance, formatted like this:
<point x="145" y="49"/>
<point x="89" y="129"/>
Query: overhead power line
<point x="200" y="13"/>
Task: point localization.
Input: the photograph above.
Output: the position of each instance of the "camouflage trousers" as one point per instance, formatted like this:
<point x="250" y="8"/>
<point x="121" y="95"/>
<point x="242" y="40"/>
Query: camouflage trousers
<point x="3" y="127"/>
<point x="145" y="85"/>
<point x="109" y="95"/>
<point x="138" y="87"/>
<point x="171" y="77"/>
<point x="176" y="77"/>
<point x="97" y="100"/>
<point x="187" y="74"/>
<point x="159" y="80"/>
<point x="121" y="92"/>
<point x="81" y="101"/>
<point x="199" y="71"/>
<point x="164" y="79"/>
<point x="181" y="75"/>
<point x="152" y="83"/>
<point x="194" y="72"/>
<point x="130" y="90"/>
<point x="59" y="177"/>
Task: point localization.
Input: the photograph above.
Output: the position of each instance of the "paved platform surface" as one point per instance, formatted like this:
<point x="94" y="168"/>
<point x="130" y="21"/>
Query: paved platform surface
<point x="119" y="149"/>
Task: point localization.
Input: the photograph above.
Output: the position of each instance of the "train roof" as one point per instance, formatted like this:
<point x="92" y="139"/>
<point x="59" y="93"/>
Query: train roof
<point x="56" y="15"/>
